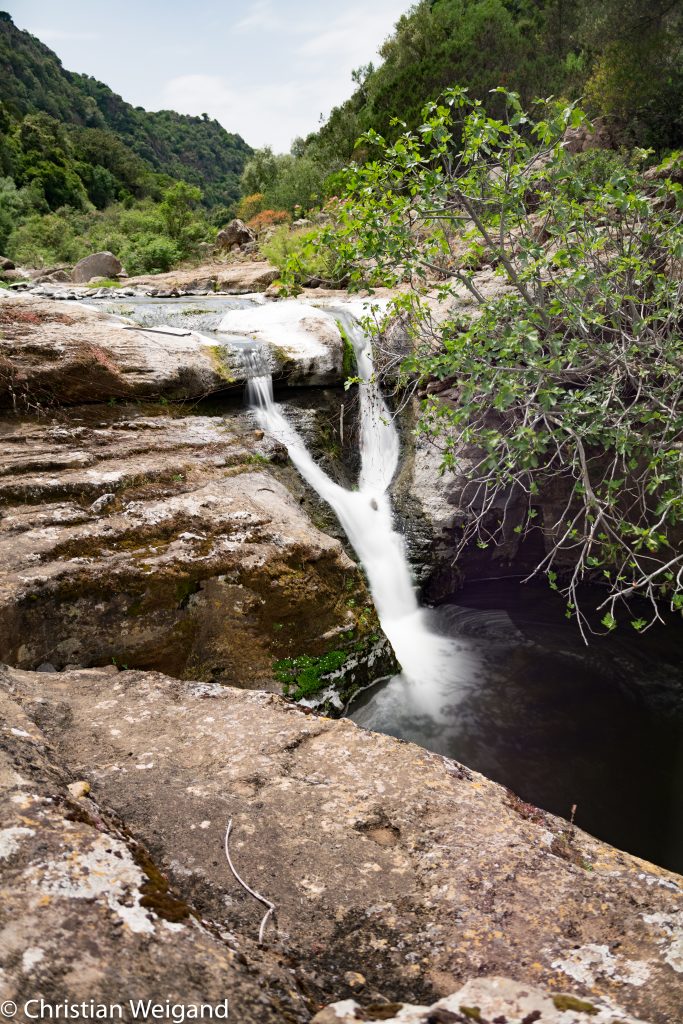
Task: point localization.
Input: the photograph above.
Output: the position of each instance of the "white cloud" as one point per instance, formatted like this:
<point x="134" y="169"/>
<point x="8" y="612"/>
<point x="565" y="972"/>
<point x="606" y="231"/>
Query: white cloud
<point x="264" y="115"/>
<point x="340" y="40"/>
<point x="58" y="35"/>
<point x="272" y="107"/>
<point x="260" y="18"/>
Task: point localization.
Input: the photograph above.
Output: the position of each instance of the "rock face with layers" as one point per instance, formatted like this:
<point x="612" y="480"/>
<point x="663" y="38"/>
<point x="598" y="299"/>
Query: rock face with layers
<point x="168" y="542"/>
<point x="51" y="353"/>
<point x="382" y="860"/>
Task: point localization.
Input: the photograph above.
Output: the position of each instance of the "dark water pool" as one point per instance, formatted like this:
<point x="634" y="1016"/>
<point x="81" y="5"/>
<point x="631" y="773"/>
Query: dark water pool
<point x="559" y="723"/>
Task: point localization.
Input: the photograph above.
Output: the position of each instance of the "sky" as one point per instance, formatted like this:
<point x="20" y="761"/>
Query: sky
<point x="263" y="68"/>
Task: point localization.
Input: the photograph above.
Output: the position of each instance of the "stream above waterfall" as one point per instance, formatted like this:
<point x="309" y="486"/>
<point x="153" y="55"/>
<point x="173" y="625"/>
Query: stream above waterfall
<point x="496" y="678"/>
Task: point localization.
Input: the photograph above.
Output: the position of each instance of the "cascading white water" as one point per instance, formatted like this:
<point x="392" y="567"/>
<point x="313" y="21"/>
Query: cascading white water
<point x="366" y="516"/>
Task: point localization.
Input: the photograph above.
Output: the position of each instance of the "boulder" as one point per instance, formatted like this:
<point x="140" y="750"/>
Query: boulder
<point x="54" y="277"/>
<point x="381" y="859"/>
<point x="6" y="264"/>
<point x="305" y="341"/>
<point x="35" y="273"/>
<point x="99" y="264"/>
<point x="236" y="233"/>
<point x="587" y="137"/>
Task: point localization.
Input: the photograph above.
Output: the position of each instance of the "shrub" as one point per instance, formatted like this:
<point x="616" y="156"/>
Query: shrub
<point x="44" y="240"/>
<point x="303" y="254"/>
<point x="565" y="388"/>
<point x="267" y="219"/>
<point x="249" y="206"/>
<point x="150" y="255"/>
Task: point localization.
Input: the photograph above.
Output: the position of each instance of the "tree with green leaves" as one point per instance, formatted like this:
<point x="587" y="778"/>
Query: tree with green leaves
<point x="565" y="386"/>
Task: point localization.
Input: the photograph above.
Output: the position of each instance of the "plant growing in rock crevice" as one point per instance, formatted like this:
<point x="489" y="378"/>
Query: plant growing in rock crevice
<point x="565" y="386"/>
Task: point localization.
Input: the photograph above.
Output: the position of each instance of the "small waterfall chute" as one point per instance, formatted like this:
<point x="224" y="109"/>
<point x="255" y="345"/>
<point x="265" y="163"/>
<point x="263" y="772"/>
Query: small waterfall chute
<point x="365" y="514"/>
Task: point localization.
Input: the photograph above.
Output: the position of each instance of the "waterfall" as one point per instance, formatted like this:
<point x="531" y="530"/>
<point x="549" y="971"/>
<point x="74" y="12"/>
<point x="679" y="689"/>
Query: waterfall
<point x="365" y="514"/>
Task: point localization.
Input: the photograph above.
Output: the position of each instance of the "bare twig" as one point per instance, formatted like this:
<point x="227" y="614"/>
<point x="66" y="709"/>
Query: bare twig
<point x="252" y="892"/>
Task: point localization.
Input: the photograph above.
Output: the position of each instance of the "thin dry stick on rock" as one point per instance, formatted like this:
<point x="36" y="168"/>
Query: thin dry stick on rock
<point x="252" y="892"/>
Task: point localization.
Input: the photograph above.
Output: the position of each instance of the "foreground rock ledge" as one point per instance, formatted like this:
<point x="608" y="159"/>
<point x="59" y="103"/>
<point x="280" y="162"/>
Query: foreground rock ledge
<point x="383" y="860"/>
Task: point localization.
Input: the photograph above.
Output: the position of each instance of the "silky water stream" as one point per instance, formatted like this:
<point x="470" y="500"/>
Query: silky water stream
<point x="366" y="517"/>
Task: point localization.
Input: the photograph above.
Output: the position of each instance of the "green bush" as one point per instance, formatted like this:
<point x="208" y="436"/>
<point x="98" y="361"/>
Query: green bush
<point x="303" y="254"/>
<point x="150" y="254"/>
<point x="44" y="240"/>
<point x="565" y="386"/>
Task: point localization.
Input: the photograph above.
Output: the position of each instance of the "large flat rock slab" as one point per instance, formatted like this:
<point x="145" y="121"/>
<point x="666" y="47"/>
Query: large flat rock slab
<point x="237" y="278"/>
<point x="86" y="915"/>
<point x="54" y="354"/>
<point x="382" y="859"/>
<point x="58" y="353"/>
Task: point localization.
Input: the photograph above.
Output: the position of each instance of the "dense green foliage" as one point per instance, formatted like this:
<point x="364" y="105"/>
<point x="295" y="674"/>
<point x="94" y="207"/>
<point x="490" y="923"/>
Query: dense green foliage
<point x="284" y="181"/>
<point x="565" y="383"/>
<point x="304" y="255"/>
<point x="80" y="167"/>
<point x="194" y="149"/>
<point x="623" y="57"/>
<point x="146" y="236"/>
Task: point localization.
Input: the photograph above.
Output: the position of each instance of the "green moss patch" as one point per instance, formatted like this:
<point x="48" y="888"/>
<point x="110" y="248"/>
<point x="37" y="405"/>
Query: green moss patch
<point x="307" y="674"/>
<point x="572" y="1003"/>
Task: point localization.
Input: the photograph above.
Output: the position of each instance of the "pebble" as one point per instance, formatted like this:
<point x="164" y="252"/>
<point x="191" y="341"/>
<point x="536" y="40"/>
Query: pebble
<point x="79" y="789"/>
<point x="102" y="502"/>
<point x="355" y="980"/>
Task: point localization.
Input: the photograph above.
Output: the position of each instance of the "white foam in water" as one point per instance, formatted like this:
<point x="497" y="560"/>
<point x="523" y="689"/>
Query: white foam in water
<point x="426" y="659"/>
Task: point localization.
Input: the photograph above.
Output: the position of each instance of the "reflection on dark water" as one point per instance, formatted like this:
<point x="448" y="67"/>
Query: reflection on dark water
<point x="532" y="707"/>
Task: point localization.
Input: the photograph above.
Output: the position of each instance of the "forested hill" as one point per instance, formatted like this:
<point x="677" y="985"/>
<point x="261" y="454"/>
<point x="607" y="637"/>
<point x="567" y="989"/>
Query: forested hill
<point x="623" y="58"/>
<point x="122" y="145"/>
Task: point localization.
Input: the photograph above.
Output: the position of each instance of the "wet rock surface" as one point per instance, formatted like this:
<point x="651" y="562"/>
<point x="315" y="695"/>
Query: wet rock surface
<point x="57" y="353"/>
<point x="382" y="860"/>
<point x="306" y="341"/>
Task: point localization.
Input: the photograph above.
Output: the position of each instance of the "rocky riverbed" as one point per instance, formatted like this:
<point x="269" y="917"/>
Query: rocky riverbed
<point x="140" y="537"/>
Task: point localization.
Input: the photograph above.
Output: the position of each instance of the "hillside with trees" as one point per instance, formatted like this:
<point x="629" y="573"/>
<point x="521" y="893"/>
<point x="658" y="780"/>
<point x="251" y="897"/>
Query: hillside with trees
<point x="621" y="58"/>
<point x="82" y="168"/>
